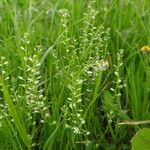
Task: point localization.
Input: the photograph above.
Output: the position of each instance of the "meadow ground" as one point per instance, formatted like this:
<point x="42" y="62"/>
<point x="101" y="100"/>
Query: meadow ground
<point x="71" y="71"/>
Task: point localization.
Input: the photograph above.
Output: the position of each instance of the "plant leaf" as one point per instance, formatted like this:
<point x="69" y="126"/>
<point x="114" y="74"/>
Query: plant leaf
<point x="141" y="141"/>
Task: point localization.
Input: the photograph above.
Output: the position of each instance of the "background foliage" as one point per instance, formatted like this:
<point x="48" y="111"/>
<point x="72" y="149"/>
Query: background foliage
<point x="70" y="71"/>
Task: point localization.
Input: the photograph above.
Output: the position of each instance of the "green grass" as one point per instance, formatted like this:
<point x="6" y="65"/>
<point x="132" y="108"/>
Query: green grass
<point x="70" y="71"/>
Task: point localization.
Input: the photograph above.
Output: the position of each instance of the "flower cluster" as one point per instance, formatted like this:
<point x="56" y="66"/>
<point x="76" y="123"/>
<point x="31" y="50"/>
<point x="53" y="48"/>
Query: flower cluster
<point x="112" y="100"/>
<point x="73" y="109"/>
<point x="78" y="62"/>
<point x="4" y="74"/>
<point x="28" y="93"/>
<point x="30" y="83"/>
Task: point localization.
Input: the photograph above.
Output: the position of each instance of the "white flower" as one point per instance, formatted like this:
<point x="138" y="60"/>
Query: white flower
<point x="101" y="65"/>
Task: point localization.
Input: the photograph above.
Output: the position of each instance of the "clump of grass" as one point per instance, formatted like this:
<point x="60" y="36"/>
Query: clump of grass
<point x="28" y="96"/>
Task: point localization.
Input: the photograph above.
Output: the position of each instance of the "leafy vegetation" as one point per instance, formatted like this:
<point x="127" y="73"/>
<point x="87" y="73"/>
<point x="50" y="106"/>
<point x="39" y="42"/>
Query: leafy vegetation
<point x="73" y="74"/>
<point x="141" y="140"/>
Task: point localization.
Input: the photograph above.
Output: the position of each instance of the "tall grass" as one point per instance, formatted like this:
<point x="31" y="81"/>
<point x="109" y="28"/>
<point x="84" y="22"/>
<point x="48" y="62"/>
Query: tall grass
<point x="70" y="71"/>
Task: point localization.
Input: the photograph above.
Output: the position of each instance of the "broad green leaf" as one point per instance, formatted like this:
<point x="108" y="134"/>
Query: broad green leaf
<point x="141" y="141"/>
